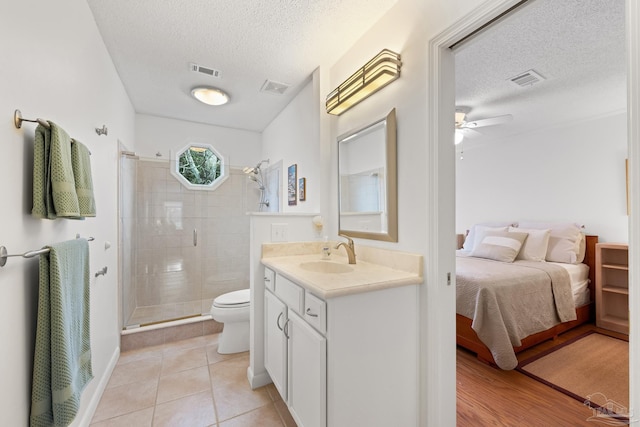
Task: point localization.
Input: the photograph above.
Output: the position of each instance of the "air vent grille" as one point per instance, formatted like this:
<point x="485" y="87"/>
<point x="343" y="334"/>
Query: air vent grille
<point x="205" y="70"/>
<point x="274" y="87"/>
<point x="527" y="78"/>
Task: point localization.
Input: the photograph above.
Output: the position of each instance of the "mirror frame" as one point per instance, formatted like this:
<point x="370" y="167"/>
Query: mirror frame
<point x="391" y="182"/>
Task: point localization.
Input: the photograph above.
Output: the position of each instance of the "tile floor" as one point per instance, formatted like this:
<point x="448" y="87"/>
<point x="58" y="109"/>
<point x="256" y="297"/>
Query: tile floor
<point x="187" y="383"/>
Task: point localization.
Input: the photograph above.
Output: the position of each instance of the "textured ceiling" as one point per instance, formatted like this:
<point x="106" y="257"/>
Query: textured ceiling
<point x="577" y="45"/>
<point x="152" y="43"/>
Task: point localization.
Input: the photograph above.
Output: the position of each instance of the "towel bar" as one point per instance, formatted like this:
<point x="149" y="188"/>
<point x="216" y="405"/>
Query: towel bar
<point x="29" y="254"/>
<point x="18" y="119"/>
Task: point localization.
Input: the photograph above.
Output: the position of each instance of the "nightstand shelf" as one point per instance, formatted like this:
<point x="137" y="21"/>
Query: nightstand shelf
<point x="612" y="286"/>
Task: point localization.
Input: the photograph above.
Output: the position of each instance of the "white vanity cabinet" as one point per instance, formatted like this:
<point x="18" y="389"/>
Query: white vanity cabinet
<point x="295" y="353"/>
<point x="307" y="362"/>
<point x="275" y="342"/>
<point x="350" y="360"/>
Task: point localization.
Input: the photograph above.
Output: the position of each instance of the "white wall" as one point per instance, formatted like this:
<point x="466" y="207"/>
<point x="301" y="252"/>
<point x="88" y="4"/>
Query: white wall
<point x="157" y="134"/>
<point x="293" y="137"/>
<point x="407" y="29"/>
<point x="571" y="173"/>
<point x="55" y="66"/>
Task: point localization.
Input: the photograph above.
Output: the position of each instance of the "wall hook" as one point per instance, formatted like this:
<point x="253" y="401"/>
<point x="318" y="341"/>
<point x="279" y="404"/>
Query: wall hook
<point x="101" y="272"/>
<point x="102" y="131"/>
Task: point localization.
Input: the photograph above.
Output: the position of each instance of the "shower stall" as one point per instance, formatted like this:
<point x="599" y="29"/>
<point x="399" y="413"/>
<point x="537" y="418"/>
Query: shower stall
<point x="180" y="247"/>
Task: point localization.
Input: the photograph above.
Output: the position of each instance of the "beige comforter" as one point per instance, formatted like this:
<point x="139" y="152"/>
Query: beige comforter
<point x="510" y="301"/>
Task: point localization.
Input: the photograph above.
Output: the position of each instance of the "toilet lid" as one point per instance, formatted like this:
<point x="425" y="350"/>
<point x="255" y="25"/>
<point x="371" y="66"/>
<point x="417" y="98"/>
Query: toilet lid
<point x="234" y="298"/>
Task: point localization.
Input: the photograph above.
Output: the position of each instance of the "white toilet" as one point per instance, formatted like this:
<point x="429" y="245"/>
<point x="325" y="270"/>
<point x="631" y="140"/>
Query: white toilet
<point x="232" y="309"/>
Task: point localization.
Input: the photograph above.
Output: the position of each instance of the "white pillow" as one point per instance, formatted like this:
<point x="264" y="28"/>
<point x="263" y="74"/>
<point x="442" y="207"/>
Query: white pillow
<point x="470" y="240"/>
<point x="535" y="247"/>
<point x="499" y="245"/>
<point x="565" y="242"/>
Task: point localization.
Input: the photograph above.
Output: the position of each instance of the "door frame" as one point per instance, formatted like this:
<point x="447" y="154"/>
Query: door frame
<point x="437" y="384"/>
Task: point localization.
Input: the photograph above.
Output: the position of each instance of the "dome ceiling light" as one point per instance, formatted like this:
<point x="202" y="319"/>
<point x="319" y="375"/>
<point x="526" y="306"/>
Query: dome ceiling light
<point x="210" y="95"/>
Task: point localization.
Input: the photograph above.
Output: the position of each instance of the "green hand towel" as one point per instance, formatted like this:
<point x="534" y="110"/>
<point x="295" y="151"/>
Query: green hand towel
<point x="63" y="187"/>
<point x="62" y="360"/>
<point x="41" y="191"/>
<point x="81" y="163"/>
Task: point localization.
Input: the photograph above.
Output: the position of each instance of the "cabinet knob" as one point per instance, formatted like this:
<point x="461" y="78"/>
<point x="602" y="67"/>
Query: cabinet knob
<point x="309" y="313"/>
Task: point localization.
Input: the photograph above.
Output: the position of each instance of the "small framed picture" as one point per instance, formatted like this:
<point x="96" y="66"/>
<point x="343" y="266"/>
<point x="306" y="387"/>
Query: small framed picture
<point x="302" y="188"/>
<point x="292" y="181"/>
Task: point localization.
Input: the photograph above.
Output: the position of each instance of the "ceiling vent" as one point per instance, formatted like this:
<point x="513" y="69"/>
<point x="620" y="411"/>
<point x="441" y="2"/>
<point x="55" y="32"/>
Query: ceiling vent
<point x="205" y="70"/>
<point x="274" y="87"/>
<point x="527" y="78"/>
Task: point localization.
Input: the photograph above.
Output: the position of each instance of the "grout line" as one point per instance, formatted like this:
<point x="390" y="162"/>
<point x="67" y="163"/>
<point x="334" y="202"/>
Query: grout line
<point x="213" y="397"/>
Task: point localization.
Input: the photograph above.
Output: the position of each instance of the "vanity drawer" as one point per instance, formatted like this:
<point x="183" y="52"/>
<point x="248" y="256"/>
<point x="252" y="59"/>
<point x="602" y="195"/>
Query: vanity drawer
<point x="315" y="312"/>
<point x="269" y="279"/>
<point x="290" y="293"/>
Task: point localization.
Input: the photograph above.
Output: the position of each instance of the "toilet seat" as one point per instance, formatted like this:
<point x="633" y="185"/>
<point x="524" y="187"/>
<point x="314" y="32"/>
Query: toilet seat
<point x="235" y="299"/>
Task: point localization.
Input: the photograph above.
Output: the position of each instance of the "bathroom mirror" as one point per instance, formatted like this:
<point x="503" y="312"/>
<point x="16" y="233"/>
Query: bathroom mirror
<point x="368" y="181"/>
<point x="199" y="167"/>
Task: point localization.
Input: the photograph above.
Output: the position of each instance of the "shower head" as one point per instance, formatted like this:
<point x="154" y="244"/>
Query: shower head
<point x="254" y="169"/>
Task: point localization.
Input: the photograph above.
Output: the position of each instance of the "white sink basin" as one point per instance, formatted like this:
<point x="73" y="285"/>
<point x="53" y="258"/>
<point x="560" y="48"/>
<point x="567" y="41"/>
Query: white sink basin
<point x="326" y="267"/>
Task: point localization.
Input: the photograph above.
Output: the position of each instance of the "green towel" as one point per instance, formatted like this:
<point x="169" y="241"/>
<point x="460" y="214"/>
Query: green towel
<point x="41" y="191"/>
<point x="81" y="163"/>
<point x="62" y="359"/>
<point x="62" y="182"/>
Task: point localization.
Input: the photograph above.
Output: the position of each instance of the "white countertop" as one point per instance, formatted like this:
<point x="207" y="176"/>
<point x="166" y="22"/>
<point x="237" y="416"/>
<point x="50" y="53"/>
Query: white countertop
<point x="365" y="277"/>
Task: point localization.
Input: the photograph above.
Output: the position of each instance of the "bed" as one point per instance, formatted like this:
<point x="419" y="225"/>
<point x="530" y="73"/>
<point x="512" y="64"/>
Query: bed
<point x="506" y="306"/>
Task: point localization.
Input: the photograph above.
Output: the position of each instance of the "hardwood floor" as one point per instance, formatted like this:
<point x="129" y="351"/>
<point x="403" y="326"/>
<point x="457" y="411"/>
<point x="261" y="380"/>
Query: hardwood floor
<point x="489" y="396"/>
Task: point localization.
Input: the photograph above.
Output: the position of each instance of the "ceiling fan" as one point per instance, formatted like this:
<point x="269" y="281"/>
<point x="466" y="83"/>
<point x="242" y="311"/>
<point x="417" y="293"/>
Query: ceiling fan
<point x="464" y="127"/>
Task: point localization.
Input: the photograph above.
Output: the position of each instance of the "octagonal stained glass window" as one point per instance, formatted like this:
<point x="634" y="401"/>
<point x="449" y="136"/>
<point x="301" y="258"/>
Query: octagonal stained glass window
<point x="199" y="167"/>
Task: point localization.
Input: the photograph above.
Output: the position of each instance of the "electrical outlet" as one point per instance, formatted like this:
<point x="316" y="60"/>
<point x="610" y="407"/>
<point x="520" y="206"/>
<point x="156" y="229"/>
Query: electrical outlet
<point x="279" y="232"/>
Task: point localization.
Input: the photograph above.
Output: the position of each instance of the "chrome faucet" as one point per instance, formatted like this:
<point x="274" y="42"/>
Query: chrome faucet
<point x="349" y="247"/>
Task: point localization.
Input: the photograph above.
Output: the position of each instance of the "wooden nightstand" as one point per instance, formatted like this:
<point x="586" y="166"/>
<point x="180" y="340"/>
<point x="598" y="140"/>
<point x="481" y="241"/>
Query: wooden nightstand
<point x="612" y="286"/>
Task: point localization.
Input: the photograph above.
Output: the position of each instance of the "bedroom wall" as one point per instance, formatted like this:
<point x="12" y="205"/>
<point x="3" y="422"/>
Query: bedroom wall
<point x="55" y="66"/>
<point x="571" y="173"/>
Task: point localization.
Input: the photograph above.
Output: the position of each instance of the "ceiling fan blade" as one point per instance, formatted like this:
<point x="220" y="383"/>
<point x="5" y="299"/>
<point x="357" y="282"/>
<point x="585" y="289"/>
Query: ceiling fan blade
<point x="488" y="122"/>
<point x="471" y="133"/>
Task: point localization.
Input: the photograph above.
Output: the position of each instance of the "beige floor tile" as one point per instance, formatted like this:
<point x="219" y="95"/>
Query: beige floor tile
<point x="191" y="411"/>
<point x="183" y="384"/>
<point x="282" y="409"/>
<point x="214" y="357"/>
<point x="231" y="390"/>
<point x="200" y="341"/>
<point x="273" y="392"/>
<point x="140" y="354"/>
<point x="126" y="398"/>
<point x="139" y="370"/>
<point x="181" y="360"/>
<point x="266" y="416"/>
<point x="142" y="418"/>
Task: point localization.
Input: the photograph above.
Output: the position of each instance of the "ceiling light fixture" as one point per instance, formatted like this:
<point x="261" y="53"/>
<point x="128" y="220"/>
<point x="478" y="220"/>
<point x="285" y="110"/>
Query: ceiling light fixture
<point x="373" y="76"/>
<point x="210" y="95"/>
<point x="459" y="136"/>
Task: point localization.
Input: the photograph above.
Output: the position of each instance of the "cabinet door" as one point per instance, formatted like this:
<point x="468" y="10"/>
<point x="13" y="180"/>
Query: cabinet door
<point x="275" y="342"/>
<point x="307" y="373"/>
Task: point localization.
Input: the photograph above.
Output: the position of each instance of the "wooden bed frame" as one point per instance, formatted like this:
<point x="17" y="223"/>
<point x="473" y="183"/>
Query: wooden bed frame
<point x="467" y="337"/>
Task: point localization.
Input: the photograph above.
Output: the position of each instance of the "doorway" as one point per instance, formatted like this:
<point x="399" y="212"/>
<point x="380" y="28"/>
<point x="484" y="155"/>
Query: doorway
<point x="442" y="108"/>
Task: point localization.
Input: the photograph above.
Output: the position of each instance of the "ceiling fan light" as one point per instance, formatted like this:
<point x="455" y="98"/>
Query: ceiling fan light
<point x="210" y="95"/>
<point x="459" y="136"/>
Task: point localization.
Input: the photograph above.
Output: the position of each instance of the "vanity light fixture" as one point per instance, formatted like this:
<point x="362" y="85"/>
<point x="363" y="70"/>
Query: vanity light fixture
<point x="373" y="76"/>
<point x="210" y="95"/>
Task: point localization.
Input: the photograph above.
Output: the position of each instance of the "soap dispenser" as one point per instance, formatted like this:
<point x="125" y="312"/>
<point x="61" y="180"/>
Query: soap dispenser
<point x="326" y="248"/>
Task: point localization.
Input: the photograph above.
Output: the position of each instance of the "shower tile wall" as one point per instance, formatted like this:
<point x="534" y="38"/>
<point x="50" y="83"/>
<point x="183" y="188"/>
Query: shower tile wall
<point x="174" y="278"/>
